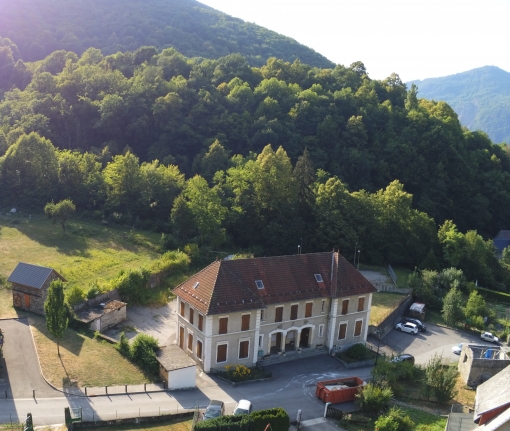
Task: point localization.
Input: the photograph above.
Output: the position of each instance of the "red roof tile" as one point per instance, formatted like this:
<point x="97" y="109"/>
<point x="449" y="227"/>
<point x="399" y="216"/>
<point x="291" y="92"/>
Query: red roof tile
<point x="229" y="285"/>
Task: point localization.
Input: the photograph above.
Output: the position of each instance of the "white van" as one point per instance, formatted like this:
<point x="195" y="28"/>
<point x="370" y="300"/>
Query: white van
<point x="243" y="407"/>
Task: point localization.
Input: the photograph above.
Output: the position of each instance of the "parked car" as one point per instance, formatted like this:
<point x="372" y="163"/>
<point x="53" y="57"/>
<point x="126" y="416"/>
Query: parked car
<point x="457" y="349"/>
<point x="488" y="336"/>
<point x="243" y="407"/>
<point x="411" y="328"/>
<point x="421" y="326"/>
<point x="403" y="358"/>
<point x="214" y="409"/>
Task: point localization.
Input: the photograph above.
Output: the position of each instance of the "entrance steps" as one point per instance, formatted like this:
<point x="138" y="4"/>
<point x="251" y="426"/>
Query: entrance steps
<point x="293" y="355"/>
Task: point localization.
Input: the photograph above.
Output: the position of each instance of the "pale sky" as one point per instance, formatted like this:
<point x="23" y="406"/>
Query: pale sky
<point x="416" y="39"/>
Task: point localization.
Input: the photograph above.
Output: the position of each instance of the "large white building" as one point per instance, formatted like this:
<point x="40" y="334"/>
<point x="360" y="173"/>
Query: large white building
<point x="237" y="311"/>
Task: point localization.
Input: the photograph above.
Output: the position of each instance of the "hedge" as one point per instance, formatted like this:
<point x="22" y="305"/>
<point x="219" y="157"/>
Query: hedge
<point x="257" y="421"/>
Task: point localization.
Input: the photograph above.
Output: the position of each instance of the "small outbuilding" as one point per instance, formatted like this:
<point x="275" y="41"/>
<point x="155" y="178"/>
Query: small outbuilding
<point x="103" y="315"/>
<point x="30" y="285"/>
<point x="176" y="368"/>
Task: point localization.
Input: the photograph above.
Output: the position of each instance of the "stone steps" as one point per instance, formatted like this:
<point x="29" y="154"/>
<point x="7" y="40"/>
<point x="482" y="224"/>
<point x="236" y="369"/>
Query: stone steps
<point x="292" y="356"/>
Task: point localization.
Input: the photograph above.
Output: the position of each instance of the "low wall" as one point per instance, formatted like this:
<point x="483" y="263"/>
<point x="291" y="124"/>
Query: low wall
<point x="393" y="318"/>
<point x="94" y="302"/>
<point x="136" y="420"/>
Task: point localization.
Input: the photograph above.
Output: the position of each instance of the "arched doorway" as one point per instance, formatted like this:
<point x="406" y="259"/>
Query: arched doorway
<point x="291" y="340"/>
<point x="304" y="341"/>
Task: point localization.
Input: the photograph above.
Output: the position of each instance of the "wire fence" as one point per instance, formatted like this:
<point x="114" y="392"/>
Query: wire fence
<point x="392" y="274"/>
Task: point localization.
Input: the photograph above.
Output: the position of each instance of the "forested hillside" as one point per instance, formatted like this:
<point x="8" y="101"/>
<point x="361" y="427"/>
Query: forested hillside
<point x="39" y="27"/>
<point x="480" y="97"/>
<point x="215" y="153"/>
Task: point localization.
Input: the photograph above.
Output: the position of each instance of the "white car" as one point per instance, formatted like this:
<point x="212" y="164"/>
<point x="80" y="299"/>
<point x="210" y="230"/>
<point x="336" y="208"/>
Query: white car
<point x="487" y="336"/>
<point x="411" y="328"/>
<point x="457" y="349"/>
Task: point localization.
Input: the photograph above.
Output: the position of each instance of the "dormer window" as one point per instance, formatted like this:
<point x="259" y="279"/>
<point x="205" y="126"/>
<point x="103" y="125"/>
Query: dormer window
<point x="259" y="284"/>
<point x="318" y="278"/>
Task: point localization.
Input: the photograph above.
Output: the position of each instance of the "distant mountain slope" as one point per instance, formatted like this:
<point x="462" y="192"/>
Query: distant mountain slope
<point x="480" y="97"/>
<point x="39" y="27"/>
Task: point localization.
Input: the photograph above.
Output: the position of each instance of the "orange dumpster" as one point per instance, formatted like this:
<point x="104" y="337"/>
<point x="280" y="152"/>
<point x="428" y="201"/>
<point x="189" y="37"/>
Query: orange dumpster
<point x="339" y="390"/>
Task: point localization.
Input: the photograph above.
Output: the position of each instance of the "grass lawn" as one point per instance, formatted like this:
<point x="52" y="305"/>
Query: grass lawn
<point x="170" y="426"/>
<point x="383" y="303"/>
<point x="423" y="420"/>
<point x="89" y="251"/>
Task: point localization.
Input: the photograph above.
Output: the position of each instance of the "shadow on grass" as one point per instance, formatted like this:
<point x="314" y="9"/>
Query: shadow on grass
<point x="71" y="341"/>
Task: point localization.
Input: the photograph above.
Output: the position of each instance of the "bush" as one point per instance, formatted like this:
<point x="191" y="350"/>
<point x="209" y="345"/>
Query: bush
<point x="237" y="372"/>
<point x="357" y="351"/>
<point x="278" y="418"/>
<point x="143" y="353"/>
<point x="75" y="295"/>
<point x="395" y="420"/>
<point x="373" y="398"/>
<point x="132" y="285"/>
<point x="385" y="423"/>
<point x="123" y="346"/>
<point x="175" y="261"/>
<point x="257" y="421"/>
<point x="440" y="380"/>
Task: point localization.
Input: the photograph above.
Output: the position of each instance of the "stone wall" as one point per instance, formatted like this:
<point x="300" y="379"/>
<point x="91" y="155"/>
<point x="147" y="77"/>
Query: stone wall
<point x="113" y="317"/>
<point x="37" y="296"/>
<point x="94" y="302"/>
<point x="475" y="369"/>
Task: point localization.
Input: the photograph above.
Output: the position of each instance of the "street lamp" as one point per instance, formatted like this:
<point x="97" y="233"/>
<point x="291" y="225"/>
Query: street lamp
<point x="355" y="246"/>
<point x="359" y="253"/>
<point x="298" y="249"/>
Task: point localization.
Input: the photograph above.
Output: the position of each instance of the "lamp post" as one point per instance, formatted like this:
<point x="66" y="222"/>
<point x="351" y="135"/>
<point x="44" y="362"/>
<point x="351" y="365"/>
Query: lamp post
<point x="298" y="249"/>
<point x="359" y="253"/>
<point x="355" y="247"/>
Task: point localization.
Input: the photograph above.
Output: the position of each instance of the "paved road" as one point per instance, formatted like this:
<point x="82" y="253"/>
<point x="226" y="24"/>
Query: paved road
<point x="22" y="366"/>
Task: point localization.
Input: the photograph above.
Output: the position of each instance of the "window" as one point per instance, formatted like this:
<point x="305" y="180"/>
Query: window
<point x="261" y="340"/>
<point x="345" y="306"/>
<point x="357" y="328"/>
<point x="261" y="315"/>
<point x="323" y="306"/>
<point x="190" y="341"/>
<point x="221" y="353"/>
<point x="196" y="285"/>
<point x="308" y="309"/>
<point x="199" y="349"/>
<point x="223" y="329"/>
<point x="191" y="315"/>
<point x="321" y="330"/>
<point x="244" y="347"/>
<point x="319" y="279"/>
<point x="259" y="284"/>
<point x="293" y="311"/>
<point x="182" y="309"/>
<point x="361" y="303"/>
<point x="279" y="314"/>
<point x="342" y="331"/>
<point x="200" y="322"/>
<point x="245" y="322"/>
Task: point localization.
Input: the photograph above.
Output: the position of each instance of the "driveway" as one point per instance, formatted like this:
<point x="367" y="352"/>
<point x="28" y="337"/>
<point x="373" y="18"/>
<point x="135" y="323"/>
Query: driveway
<point x="22" y="374"/>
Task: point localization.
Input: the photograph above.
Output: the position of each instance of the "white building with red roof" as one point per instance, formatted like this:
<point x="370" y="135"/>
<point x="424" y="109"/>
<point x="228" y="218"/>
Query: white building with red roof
<point x="239" y="311"/>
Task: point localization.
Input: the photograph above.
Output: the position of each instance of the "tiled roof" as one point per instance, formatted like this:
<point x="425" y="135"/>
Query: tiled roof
<point x="90" y="314"/>
<point x="229" y="285"/>
<point x="31" y="275"/>
<point x="493" y="393"/>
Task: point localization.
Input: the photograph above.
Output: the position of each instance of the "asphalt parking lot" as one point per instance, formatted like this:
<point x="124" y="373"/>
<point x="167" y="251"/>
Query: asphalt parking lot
<point x="436" y="340"/>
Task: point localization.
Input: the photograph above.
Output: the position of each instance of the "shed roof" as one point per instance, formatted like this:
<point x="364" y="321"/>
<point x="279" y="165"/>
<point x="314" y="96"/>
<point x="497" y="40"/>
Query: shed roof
<point x="246" y="284"/>
<point x="493" y="393"/>
<point x="31" y="275"/>
<point x="91" y="314"/>
<point x="174" y="358"/>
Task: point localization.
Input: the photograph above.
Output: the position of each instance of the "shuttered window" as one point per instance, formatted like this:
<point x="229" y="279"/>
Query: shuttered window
<point x="293" y="312"/>
<point x="243" y="349"/>
<point x="308" y="309"/>
<point x="245" y="322"/>
<point x="200" y="322"/>
<point x="199" y="349"/>
<point x="357" y="328"/>
<point x="279" y="314"/>
<point x="345" y="306"/>
<point x="221" y="353"/>
<point x="191" y="315"/>
<point x="223" y="325"/>
<point x="361" y="303"/>
<point x="182" y="309"/>
<point x="342" y="331"/>
<point x="190" y="341"/>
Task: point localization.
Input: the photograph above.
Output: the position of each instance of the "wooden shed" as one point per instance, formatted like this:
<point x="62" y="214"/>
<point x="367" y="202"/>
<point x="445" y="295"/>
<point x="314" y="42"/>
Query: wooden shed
<point x="176" y="368"/>
<point x="30" y="285"/>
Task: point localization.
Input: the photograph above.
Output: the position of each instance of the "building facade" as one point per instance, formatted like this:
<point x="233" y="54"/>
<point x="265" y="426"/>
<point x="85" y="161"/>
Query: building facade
<point x="239" y="311"/>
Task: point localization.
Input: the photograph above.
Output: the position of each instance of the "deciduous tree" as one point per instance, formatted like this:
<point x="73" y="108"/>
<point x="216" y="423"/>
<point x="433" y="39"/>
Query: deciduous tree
<point x="60" y="211"/>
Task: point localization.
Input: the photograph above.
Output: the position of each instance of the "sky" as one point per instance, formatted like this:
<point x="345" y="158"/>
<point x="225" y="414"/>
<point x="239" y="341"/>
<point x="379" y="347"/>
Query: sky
<point x="416" y="39"/>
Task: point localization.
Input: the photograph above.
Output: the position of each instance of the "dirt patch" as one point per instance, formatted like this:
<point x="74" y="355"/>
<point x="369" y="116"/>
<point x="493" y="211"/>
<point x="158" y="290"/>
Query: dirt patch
<point x="377" y="277"/>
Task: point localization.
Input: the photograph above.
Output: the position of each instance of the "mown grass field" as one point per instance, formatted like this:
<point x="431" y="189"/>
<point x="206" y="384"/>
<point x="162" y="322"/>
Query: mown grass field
<point x="88" y="251"/>
<point x="382" y="304"/>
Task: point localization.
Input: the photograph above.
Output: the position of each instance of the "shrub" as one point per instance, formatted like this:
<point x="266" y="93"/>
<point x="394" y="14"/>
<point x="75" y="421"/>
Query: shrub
<point x="143" y="353"/>
<point x="237" y="372"/>
<point x="404" y="421"/>
<point x="373" y="398"/>
<point x="123" y="346"/>
<point x="132" y="285"/>
<point x="277" y="416"/>
<point x="385" y="423"/>
<point x="175" y="261"/>
<point x="440" y="380"/>
<point x="75" y="295"/>
<point x="357" y="351"/>
<point x="93" y="292"/>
